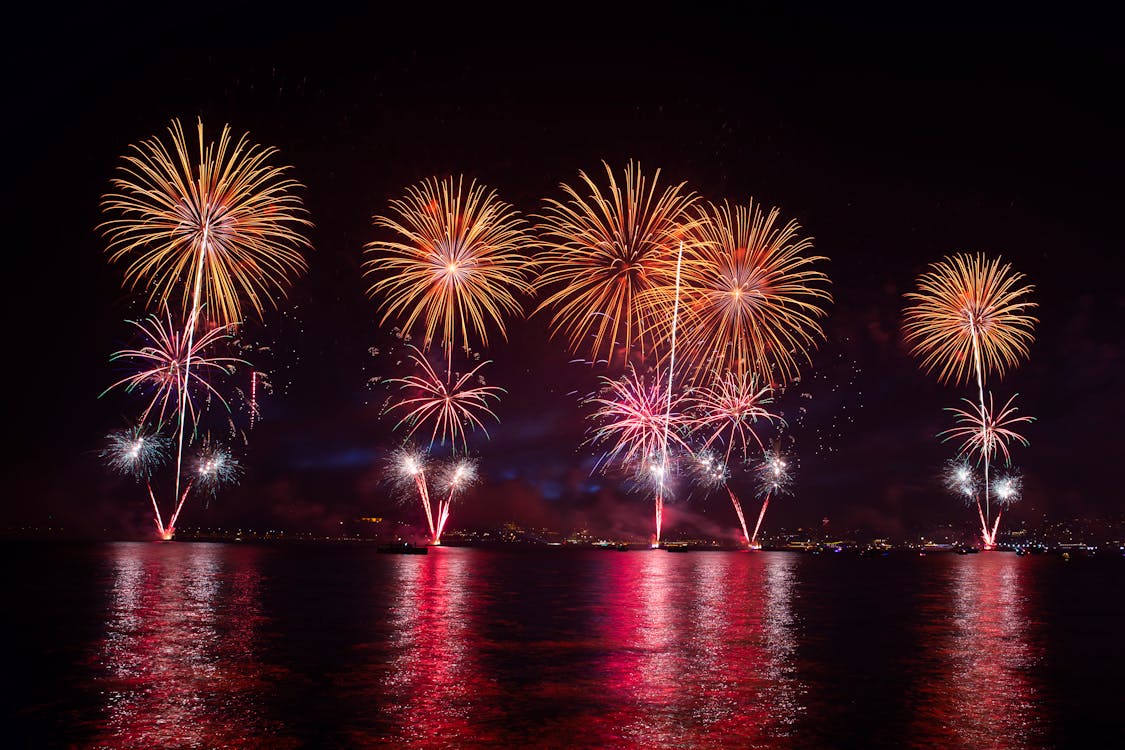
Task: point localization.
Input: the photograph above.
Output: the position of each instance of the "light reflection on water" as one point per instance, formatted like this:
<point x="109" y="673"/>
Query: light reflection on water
<point x="984" y="666"/>
<point x="197" y="645"/>
<point x="179" y="659"/>
<point x="699" y="650"/>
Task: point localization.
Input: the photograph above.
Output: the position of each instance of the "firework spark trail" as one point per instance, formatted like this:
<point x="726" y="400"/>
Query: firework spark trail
<point x="162" y="364"/>
<point x="668" y="401"/>
<point x="631" y="416"/>
<point x="774" y="478"/>
<point x="253" y="397"/>
<point x="458" y="477"/>
<point x="969" y="309"/>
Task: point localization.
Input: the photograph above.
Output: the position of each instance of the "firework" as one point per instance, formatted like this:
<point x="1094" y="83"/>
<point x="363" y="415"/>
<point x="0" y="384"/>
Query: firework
<point x="457" y="477"/>
<point x="219" y="212"/>
<point x="603" y="252"/>
<point x="135" y="452"/>
<point x="408" y="469"/>
<point x="775" y="477"/>
<point x="460" y="258"/>
<point x="969" y="317"/>
<point x="710" y="471"/>
<point x="727" y="409"/>
<point x="1007" y="489"/>
<point x="960" y="479"/>
<point x="223" y="217"/>
<point x="162" y="366"/>
<point x="449" y="407"/>
<point x="634" y="418"/>
<point x="751" y="298"/>
<point x="986" y="432"/>
<point x="215" y="467"/>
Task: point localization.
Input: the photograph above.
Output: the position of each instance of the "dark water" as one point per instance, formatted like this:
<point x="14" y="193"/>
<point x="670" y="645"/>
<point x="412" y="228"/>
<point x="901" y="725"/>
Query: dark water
<point x="210" y="645"/>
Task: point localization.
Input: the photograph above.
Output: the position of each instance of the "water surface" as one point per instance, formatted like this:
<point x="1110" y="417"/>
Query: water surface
<point x="221" y="645"/>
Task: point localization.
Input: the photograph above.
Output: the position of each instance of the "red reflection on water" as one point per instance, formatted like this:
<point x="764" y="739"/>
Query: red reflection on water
<point x="431" y="690"/>
<point x="179" y="659"/>
<point x="699" y="651"/>
<point x="983" y="686"/>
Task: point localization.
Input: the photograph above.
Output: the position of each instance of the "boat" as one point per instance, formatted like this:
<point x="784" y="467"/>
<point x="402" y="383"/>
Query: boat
<point x="404" y="548"/>
<point x="623" y="548"/>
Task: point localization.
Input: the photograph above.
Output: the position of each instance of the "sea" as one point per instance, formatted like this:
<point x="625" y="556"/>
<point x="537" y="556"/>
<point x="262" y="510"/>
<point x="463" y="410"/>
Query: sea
<point x="216" y="645"/>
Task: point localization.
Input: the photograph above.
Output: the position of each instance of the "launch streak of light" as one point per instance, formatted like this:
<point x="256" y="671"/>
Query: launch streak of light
<point x="711" y="472"/>
<point x="138" y="453"/>
<point x="668" y="402"/>
<point x="408" y="468"/>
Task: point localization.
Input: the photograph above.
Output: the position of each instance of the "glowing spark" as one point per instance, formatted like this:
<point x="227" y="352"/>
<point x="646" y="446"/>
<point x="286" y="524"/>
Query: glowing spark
<point x="1007" y="489"/>
<point x="960" y="479"/>
<point x="775" y="476"/>
<point x="215" y="467"/>
<point x="135" y="452"/>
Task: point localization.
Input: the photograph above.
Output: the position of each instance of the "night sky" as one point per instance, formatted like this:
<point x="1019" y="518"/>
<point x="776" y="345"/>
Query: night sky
<point x="892" y="144"/>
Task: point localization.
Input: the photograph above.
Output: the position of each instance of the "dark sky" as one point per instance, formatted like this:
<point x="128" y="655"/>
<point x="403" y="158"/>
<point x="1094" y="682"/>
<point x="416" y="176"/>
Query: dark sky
<point x="892" y="144"/>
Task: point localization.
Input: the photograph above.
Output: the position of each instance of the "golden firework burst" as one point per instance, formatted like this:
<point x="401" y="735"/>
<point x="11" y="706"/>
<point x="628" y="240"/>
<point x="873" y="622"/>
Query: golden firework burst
<point x="969" y="317"/>
<point x="604" y="249"/>
<point x="210" y="225"/>
<point x="750" y="298"/>
<point x="458" y="261"/>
